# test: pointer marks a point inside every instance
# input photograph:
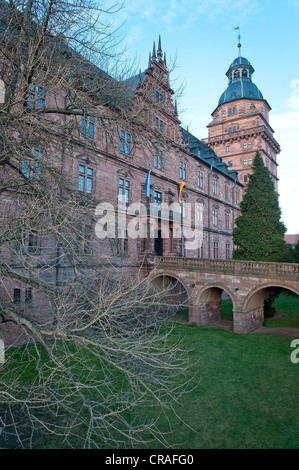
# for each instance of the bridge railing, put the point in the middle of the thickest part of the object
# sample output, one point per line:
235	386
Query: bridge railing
258	268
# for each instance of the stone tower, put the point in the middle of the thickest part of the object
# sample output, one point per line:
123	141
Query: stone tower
240	124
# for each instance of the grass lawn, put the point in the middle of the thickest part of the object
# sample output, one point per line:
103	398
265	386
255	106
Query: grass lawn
286	303
247	395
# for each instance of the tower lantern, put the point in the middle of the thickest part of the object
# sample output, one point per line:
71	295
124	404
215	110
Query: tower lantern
240	124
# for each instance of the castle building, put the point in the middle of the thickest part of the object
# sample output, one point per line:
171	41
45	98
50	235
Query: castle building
107	158
240	124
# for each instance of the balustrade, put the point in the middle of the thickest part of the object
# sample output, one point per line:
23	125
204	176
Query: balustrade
230	266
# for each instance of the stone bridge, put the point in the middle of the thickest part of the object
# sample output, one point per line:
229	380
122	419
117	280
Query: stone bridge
246	282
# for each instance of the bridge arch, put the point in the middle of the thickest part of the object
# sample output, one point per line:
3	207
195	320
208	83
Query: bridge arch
213	292
208	302
164	280
256	296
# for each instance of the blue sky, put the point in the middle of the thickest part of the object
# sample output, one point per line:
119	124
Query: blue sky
199	36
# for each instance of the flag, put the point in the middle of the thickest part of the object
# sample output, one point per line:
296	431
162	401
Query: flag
180	187
148	184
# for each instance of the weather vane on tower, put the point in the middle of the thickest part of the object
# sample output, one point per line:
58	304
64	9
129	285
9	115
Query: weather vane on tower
239	39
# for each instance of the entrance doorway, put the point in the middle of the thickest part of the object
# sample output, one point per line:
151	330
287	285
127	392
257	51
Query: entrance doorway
159	244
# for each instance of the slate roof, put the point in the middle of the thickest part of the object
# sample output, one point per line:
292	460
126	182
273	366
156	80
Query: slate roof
240	88
207	156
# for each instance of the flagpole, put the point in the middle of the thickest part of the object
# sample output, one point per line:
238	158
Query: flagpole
182	241
180	187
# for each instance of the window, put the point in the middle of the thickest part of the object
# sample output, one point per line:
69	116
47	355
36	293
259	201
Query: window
156	122
234	129
122	141
226	193
215	217
41	98
245	178
215	250
87	126
83	126
226	221
228	148
199	213
234	110
230	111
122	244
34	170
230	130
91	127
161	126
230	163
125	142
17	296
215	186
128	144
227	251
249	161
32	242
36	94
245	161
157	198
182	171
159	97
85	179
28	295
123	191
249	145
245	145
158	159
25	169
200	179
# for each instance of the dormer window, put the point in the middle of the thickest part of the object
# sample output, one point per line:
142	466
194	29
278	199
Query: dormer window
159	97
125	142
87	126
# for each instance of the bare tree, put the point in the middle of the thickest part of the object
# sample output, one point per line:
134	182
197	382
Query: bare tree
94	347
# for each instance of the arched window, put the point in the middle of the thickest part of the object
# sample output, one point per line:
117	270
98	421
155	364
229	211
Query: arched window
244	73
236	74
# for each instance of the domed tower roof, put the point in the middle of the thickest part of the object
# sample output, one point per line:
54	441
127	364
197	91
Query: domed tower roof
240	84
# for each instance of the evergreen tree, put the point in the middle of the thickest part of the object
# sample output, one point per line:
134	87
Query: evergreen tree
290	254
259	232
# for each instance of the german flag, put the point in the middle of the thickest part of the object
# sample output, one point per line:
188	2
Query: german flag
180	187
